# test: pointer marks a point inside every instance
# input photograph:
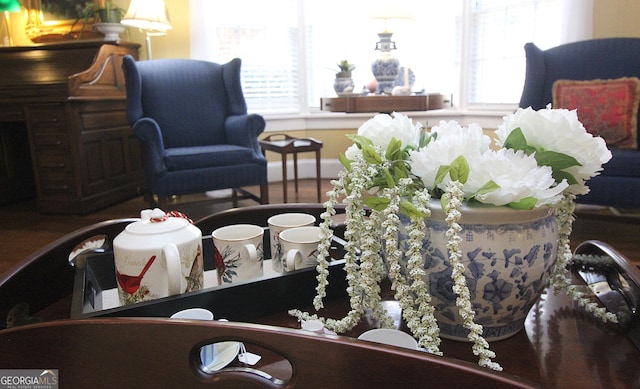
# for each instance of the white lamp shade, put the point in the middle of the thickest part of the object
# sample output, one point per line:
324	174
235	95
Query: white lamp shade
147	15
391	9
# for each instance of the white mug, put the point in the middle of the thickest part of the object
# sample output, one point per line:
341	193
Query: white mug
208	352
238	252
300	247
279	223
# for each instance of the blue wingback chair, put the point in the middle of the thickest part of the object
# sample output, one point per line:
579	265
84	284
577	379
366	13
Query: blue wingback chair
196	136
619	183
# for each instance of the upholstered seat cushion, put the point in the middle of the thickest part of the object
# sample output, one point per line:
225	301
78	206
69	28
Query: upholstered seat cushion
196	157
625	163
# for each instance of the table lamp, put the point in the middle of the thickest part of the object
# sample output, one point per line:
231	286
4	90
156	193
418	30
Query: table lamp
151	16
386	67
7	6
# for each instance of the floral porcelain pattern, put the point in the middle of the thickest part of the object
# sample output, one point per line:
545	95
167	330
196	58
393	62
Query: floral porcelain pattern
507	266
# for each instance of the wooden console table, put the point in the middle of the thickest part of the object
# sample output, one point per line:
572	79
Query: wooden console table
382	103
69	98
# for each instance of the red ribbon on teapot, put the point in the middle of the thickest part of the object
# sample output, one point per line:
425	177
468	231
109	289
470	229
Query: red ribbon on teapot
170	214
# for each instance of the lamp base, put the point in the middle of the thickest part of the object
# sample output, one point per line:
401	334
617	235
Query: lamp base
385	70
386	67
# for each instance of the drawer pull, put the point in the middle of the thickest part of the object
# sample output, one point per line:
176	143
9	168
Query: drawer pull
57	187
53	165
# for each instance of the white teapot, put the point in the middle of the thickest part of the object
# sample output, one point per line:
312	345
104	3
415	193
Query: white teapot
159	255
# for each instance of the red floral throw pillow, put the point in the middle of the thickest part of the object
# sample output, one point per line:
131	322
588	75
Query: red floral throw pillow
607	108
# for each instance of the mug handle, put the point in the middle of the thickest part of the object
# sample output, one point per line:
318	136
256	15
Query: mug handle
293	256
172	259
251	251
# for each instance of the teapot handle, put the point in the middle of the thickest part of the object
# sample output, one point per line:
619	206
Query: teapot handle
172	259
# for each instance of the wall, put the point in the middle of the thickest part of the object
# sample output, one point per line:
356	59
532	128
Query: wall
616	18
173	45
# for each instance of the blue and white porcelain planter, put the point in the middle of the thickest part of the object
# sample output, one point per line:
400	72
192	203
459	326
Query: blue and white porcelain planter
343	85
508	256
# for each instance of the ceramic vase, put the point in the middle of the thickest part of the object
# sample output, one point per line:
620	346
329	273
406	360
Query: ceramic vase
508	256
343	85
386	67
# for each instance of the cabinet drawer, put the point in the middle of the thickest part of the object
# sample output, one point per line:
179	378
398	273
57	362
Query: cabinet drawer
52	185
46	117
50	162
55	140
12	113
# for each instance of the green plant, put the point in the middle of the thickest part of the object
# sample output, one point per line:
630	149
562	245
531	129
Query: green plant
344	69
100	11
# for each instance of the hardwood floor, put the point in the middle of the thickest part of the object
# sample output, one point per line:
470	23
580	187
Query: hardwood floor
23	230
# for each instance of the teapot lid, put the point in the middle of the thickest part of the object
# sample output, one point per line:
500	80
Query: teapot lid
156	221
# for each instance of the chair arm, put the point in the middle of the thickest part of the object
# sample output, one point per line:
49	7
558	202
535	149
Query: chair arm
243	130
148	132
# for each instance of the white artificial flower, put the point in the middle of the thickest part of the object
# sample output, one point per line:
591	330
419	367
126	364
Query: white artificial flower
518	176
452	141
559	130
382	128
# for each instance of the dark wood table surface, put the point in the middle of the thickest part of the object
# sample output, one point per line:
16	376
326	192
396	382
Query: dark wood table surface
560	347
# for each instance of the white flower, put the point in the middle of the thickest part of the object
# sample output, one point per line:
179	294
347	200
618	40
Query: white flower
559	130
518	177
382	128
452	141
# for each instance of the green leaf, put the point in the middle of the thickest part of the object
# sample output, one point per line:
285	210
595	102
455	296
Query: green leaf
557	161
360	141
426	138
345	161
376	203
443	203
441	174
516	140
394	150
410	210
488	187
525	203
390	181
370	155
400	170
459	169
560	175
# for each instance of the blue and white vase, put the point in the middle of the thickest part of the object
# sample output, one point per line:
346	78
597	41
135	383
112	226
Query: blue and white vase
508	256
386	67
343	85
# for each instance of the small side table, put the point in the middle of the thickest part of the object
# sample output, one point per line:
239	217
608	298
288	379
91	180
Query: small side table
285	144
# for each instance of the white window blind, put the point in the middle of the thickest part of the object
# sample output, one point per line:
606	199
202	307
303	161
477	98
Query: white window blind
265	36
498	30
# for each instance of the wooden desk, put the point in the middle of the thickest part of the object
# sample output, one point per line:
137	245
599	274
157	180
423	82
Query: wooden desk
382	103
70	99
561	346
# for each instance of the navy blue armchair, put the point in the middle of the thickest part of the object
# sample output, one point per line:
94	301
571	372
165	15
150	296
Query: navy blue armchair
618	185
196	135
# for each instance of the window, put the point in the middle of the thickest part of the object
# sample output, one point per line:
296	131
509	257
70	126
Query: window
498	30
471	49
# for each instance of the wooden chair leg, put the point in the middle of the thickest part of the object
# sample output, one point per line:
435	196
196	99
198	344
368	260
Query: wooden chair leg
264	194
